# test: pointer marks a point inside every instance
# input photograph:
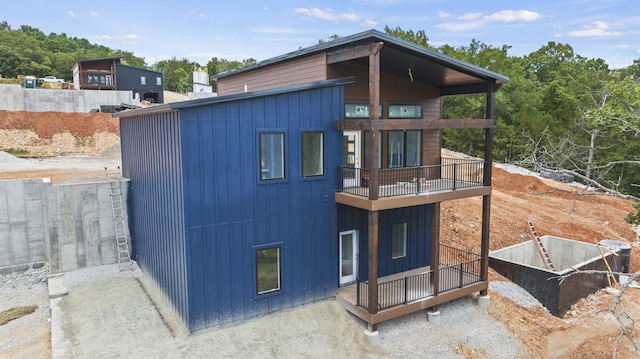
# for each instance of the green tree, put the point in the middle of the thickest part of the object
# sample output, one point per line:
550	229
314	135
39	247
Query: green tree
216	66
418	37
178	74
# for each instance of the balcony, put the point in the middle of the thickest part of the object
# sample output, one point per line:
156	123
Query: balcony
459	274
452	179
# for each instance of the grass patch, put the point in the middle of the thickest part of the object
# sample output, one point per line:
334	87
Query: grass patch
15	313
18	152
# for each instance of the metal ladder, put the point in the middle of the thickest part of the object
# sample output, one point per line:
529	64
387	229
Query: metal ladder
541	249
119	220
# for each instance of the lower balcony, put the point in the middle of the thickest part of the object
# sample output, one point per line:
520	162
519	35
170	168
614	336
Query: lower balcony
458	275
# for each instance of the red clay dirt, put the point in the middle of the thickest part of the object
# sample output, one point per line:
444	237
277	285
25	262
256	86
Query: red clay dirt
555	208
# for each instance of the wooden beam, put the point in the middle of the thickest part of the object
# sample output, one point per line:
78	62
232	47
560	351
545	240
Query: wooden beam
372	305
409	200
486	200
374	113
490	112
426	303
417	124
484	246
353	52
435	247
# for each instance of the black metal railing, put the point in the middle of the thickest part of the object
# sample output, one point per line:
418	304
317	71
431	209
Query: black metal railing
450	175
458	268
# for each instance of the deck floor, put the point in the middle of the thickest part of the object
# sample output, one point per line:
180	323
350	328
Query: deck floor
449	279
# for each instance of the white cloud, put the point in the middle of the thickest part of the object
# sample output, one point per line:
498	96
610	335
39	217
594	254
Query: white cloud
514	15
470	16
443	15
460	25
100	37
595	29
71	13
369	23
475	20
94	13
266	8
327	14
131	39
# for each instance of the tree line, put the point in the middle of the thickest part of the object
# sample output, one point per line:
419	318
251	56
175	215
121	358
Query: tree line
559	112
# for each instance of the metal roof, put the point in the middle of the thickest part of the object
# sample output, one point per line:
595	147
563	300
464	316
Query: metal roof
399	57
233	97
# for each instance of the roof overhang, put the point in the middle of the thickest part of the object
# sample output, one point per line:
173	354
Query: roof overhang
398	57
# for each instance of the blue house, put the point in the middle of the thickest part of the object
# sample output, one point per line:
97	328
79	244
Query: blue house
265	198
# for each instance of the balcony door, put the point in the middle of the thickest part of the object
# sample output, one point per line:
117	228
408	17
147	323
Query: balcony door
348	256
351	160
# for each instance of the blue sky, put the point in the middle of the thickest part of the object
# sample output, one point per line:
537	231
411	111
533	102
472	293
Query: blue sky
199	30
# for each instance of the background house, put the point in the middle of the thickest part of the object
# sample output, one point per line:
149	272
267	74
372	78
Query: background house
111	74
266	197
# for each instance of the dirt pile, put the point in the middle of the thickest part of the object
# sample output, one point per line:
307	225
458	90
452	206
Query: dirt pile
57	133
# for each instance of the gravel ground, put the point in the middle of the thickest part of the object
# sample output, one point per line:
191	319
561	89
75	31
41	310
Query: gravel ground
29	336
115	311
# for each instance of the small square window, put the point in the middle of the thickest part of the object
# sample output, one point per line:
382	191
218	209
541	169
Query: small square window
143	80
158	81
271	156
405	111
399	240
312	154
268	278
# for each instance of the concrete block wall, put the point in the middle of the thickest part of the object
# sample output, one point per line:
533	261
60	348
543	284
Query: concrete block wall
17	98
68	225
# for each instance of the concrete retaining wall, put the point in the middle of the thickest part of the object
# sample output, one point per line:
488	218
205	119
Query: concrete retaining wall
68	225
17	98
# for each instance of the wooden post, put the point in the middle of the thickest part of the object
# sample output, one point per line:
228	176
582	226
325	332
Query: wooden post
374	114
372	306
435	247
486	200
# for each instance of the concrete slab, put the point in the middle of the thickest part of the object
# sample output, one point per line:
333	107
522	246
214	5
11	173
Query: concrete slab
60	345
56	287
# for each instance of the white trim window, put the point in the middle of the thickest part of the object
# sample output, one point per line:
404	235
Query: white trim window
399	240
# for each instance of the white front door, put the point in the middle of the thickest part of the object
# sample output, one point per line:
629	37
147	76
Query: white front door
351	174
348	256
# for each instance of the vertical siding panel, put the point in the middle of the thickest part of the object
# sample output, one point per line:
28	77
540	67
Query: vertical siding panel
236	274
156	222
212	276
225	267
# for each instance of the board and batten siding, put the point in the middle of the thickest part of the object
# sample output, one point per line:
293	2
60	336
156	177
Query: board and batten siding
304	70
418	220
229	212
151	160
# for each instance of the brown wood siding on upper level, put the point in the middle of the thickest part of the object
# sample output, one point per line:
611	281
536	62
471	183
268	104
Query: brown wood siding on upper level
393	89
303	70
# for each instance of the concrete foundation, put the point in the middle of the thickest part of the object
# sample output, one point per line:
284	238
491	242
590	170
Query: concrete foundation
17	98
483	302
69	226
522	264
433	317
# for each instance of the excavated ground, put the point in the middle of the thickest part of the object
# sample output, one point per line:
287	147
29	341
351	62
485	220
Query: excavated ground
90	142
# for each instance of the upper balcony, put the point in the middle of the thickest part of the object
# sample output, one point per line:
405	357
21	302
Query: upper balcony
386	188
408	186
